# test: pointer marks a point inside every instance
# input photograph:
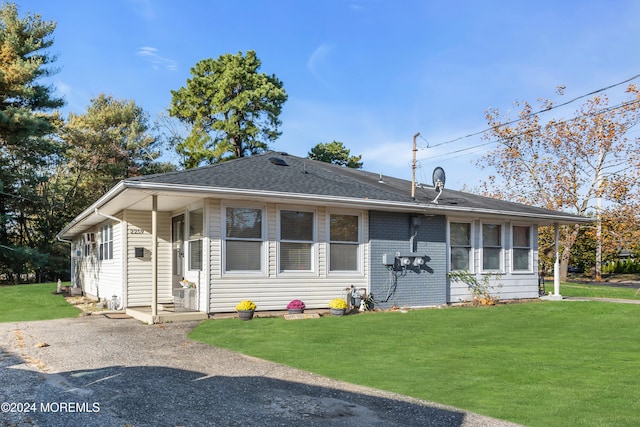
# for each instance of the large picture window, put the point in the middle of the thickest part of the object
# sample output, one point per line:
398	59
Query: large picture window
196	233
343	242
243	239
491	246
106	242
296	240
521	248
460	242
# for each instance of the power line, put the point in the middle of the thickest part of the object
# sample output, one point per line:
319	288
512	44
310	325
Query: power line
604	110
534	113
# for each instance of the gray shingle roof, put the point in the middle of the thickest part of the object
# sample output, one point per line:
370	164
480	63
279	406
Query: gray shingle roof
267	173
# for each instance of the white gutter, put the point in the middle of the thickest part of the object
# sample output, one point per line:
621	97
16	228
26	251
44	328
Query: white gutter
442	209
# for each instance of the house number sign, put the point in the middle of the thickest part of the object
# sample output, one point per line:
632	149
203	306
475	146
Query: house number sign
136	231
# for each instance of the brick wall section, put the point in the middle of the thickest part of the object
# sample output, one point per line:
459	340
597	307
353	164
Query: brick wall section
390	232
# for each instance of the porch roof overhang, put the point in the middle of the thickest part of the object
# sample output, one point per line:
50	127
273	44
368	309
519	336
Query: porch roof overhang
137	195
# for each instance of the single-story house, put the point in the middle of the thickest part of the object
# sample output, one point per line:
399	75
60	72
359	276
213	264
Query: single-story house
275	227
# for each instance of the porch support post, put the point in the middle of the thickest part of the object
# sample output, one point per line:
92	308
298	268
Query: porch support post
556	265
556	268
154	256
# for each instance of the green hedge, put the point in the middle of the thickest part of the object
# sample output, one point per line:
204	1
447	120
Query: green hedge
628	266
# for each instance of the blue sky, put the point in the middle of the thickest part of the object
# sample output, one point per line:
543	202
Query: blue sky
369	73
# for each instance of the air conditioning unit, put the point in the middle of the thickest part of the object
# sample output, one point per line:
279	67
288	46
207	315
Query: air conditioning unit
89	237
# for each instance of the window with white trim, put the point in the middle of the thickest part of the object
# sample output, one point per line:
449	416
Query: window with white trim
521	248
491	247
343	242
243	239
105	249
460	245
296	240
196	233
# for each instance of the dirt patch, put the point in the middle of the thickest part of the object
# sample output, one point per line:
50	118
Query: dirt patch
86	304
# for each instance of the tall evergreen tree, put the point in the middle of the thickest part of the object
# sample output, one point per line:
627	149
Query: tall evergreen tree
27	123
232	109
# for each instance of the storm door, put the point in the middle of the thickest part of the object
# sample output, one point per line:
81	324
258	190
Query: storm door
177	249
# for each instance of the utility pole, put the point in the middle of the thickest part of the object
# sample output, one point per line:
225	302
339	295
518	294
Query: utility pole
598	272
413	166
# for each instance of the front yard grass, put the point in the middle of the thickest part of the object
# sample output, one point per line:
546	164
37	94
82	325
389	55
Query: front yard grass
537	364
595	291
19	303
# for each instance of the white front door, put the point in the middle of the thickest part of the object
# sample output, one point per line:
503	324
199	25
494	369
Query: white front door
177	249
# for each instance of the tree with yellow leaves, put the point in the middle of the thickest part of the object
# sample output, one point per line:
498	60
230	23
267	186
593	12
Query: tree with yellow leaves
568	165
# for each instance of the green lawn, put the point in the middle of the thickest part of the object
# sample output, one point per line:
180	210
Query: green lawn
580	290
538	364
20	303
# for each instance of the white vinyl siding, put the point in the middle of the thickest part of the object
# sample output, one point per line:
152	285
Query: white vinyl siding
139	269
101	278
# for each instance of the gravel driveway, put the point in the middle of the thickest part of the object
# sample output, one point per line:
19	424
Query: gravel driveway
96	371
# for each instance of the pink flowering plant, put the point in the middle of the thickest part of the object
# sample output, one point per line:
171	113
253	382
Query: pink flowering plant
296	304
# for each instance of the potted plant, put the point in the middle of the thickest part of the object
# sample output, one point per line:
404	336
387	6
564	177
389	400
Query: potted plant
338	306
245	309
295	306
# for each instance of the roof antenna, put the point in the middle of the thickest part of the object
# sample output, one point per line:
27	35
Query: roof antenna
439	179
413	167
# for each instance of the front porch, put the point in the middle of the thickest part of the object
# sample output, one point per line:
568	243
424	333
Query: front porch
166	313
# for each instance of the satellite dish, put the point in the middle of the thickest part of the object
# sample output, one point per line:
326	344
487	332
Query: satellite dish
439	179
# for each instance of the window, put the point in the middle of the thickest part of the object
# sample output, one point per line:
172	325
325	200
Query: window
106	242
243	239
343	242
87	247
491	246
177	245
296	240
196	233
521	248
460	242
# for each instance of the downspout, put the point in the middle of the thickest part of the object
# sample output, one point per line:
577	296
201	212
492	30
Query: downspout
124	284
107	216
